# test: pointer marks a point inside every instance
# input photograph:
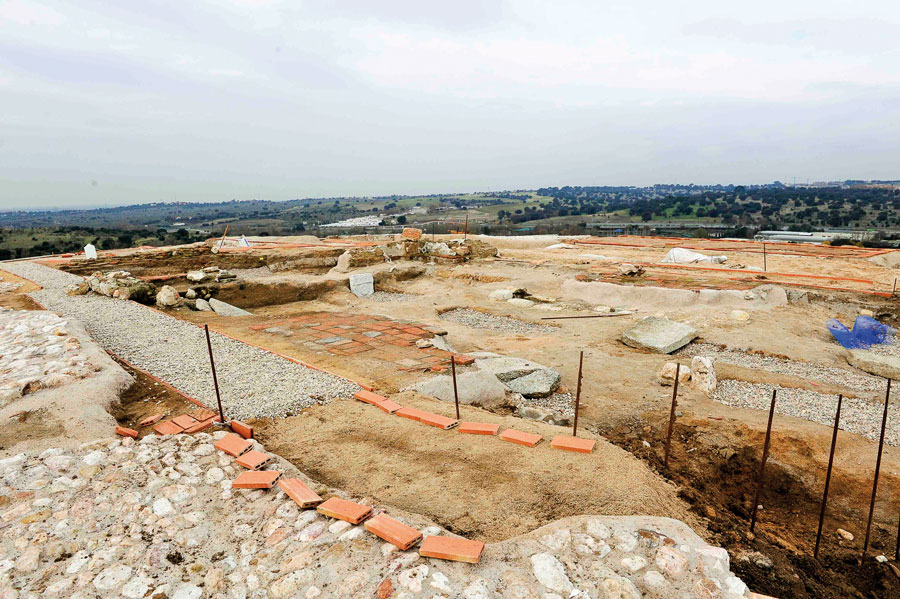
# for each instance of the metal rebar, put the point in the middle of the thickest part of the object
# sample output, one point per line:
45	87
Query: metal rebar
765	265
837	419
887	396
762	465
672	414
894	290
897	550
607	315
578	395
212	365
455	392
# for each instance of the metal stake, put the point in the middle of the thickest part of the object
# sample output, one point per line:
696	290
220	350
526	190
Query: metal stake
765	266
455	393
887	396
894	290
837	419
212	364
466	229
578	395
762	465
672	413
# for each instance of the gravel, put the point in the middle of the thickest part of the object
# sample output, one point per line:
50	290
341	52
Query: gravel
558	403
853	379
857	415
481	320
390	296
254	383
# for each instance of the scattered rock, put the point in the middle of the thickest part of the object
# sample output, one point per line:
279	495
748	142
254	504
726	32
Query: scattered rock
501	295
846	535
703	374
202	305
630	270
520	302
411	233
167	297
659	335
740	315
666	375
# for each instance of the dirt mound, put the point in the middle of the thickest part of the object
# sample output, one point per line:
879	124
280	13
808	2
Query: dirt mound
889	260
662	298
476	486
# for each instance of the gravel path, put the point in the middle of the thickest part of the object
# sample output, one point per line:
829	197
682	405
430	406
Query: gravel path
807	370
857	415
253	382
481	320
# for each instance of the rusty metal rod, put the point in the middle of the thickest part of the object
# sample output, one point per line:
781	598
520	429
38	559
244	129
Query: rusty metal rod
672	414
762	465
455	392
578	395
887	396
894	290
212	365
765	264
897	550
837	419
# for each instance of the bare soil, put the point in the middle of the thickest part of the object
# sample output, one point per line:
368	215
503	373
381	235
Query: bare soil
145	398
17	299
477	486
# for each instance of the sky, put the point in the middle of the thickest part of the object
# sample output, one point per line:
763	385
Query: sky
128	102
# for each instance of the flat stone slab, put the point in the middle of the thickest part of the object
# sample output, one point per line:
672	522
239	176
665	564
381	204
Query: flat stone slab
223	309
362	284
874	363
659	335
506	368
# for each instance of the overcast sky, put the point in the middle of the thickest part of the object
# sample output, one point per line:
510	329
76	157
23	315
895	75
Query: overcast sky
121	102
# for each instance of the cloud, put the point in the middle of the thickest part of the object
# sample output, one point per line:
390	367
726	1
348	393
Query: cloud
456	15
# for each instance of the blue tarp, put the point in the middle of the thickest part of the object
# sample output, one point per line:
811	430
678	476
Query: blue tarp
866	332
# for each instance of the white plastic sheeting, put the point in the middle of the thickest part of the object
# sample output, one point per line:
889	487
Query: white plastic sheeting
684	256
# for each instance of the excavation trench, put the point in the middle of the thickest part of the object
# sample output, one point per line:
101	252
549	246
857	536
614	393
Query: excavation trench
718	481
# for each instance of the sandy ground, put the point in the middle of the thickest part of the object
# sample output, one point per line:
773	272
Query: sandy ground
477	486
18	299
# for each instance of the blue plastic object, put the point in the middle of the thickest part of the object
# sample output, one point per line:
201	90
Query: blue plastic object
866	332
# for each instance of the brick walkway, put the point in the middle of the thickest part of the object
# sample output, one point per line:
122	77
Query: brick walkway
349	334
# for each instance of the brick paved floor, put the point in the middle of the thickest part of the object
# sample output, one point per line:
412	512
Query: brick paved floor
349	334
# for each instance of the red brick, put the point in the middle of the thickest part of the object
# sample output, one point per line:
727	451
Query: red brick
244	430
354	513
411	413
437	420
126	432
202	425
202	414
256	479
452	548
233	445
514	436
299	492
478	428
184	421
167	427
573	444
385	589
393	531
151	420
389	406
369	397
253	460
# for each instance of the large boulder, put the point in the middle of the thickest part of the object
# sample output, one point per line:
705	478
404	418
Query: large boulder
540	383
875	363
223	309
196	276
477	388
659	335
167	297
202	305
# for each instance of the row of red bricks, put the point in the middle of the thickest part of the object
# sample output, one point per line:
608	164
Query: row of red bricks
383	526
563	442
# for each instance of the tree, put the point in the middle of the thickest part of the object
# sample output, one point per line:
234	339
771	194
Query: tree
401	220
